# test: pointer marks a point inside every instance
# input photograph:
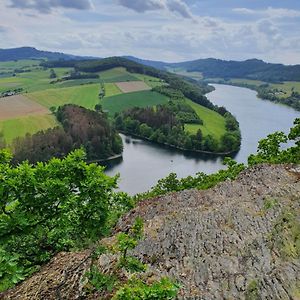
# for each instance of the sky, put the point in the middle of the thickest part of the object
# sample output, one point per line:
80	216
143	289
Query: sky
166	30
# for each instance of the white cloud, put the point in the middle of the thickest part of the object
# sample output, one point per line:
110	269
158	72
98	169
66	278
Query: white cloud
269	12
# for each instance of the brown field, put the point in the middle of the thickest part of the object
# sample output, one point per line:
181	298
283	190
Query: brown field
132	86
19	106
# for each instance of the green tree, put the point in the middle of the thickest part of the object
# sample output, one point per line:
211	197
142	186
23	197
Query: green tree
54	206
52	74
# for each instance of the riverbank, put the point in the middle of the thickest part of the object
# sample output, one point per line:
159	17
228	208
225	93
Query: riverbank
180	148
144	162
265	94
113	157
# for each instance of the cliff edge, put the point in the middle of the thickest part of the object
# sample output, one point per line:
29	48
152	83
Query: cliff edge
239	240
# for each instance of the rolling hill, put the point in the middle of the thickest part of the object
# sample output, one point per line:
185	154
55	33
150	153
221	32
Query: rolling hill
33	53
217	68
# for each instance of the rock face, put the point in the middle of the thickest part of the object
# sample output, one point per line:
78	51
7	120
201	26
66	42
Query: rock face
239	240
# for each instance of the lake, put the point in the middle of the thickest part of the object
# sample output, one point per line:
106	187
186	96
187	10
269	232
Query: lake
144	163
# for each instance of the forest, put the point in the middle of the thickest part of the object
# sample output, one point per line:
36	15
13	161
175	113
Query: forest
165	125
80	128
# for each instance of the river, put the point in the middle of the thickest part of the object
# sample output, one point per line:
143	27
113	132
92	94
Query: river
144	163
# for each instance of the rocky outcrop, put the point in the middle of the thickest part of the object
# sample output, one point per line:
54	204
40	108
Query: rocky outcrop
239	240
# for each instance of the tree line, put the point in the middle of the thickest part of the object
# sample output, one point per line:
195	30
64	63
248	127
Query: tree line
166	126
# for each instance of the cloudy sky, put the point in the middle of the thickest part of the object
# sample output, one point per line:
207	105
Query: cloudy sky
169	30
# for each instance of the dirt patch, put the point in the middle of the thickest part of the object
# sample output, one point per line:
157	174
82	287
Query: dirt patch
19	106
132	86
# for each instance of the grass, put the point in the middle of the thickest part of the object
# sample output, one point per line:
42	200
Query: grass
150	80
12	65
116	75
121	102
214	123
285	88
36	80
75	82
31	124
111	90
83	95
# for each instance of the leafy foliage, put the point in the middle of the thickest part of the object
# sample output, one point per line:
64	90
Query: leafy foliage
54	206
99	281
138	289
201	181
270	149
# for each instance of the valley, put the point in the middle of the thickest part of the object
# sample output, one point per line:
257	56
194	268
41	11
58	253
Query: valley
115	85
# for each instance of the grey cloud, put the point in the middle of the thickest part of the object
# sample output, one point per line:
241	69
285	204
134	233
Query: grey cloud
141	5
179	7
45	6
175	6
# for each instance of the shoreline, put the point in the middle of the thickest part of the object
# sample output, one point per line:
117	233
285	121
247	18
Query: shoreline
179	148
255	89
106	159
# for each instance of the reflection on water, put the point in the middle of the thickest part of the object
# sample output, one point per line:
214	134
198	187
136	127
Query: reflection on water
144	163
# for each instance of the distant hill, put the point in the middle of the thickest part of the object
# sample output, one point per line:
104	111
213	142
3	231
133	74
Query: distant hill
209	67
248	69
151	63
33	53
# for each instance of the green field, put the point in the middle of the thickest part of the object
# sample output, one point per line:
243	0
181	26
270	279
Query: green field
124	101
116	75
19	127
284	89
84	95
111	90
36	80
214	123
12	65
149	80
75	82
287	87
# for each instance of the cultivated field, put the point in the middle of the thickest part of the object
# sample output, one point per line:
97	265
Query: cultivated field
111	90
150	80
116	75
18	106
83	95
132	86
214	123
124	101
13	128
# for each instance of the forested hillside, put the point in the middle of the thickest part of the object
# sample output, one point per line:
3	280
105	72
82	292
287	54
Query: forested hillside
217	68
33	53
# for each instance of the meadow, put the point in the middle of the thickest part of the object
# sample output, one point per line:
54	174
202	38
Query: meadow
13	128
213	123
118	103
83	95
149	80
116	75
